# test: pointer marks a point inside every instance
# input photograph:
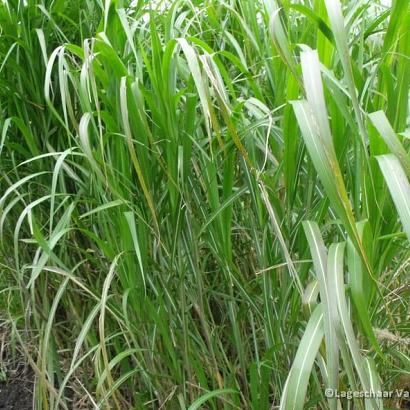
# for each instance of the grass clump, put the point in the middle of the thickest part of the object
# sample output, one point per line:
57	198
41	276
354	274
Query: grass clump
205	204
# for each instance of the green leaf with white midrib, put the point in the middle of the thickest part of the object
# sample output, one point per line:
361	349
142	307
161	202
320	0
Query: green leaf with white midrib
315	96
357	282
344	325
319	256
294	393
313	122
280	40
399	187
334	10
315	147
385	129
129	216
375	384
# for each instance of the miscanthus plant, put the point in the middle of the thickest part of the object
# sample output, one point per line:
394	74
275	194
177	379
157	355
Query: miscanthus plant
206	204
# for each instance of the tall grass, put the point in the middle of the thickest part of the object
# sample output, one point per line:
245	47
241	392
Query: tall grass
205	204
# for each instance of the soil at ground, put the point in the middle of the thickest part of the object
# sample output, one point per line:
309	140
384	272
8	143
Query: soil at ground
16	394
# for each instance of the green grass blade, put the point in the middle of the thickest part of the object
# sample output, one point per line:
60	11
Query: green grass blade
385	129
319	255
210	395
399	187
293	396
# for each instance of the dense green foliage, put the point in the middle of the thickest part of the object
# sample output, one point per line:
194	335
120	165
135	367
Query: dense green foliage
193	200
